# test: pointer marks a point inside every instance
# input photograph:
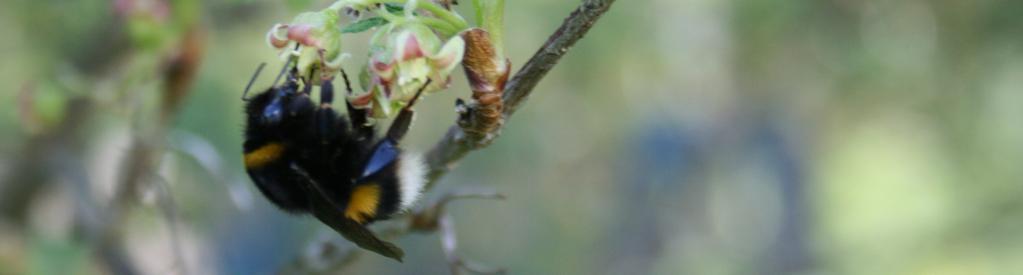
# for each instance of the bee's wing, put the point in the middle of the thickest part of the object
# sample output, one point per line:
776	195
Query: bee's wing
353	231
385	153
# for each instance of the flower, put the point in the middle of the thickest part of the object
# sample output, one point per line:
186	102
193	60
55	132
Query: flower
402	59
315	38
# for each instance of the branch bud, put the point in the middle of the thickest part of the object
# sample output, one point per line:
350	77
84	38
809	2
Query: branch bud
487	73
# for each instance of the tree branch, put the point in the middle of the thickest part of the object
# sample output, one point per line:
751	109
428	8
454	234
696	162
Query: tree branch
456	144
573	29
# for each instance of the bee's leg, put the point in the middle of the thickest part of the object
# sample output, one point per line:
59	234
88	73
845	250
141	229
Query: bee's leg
404	120
307	89
363	129
283	70
326	93
326	119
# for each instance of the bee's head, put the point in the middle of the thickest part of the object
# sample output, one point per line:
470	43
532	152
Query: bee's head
279	106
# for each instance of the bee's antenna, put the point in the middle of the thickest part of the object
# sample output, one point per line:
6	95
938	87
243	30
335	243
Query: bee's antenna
308	87
359	119
252	80
284	69
418	93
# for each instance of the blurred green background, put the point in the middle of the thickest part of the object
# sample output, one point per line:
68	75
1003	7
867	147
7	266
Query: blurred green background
678	137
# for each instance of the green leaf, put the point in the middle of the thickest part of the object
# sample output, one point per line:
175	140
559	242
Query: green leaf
364	24
56	256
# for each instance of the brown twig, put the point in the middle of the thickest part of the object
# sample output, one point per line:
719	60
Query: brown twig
457	143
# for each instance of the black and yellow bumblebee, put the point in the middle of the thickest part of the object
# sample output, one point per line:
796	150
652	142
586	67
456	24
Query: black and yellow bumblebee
295	149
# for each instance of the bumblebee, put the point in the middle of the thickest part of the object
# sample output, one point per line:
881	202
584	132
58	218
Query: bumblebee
295	149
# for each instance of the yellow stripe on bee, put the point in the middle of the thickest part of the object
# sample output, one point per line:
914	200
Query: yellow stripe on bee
263	155
363	204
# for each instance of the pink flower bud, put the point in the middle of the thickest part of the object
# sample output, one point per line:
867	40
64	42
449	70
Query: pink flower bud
361	101
303	34
449	56
408	47
276	37
382	69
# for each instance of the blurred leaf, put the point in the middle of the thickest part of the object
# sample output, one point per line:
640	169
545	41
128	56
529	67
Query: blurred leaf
52	256
147	33
299	5
49	103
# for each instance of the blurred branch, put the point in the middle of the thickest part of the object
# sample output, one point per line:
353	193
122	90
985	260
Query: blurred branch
436	219
147	147
328	257
180	71
427	219
457	143
29	174
58	152
169	209
449	242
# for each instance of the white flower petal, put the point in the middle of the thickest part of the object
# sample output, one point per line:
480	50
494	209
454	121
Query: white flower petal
449	56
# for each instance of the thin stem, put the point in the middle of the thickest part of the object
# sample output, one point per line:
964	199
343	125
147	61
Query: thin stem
444	14
444	27
490	16
390	17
